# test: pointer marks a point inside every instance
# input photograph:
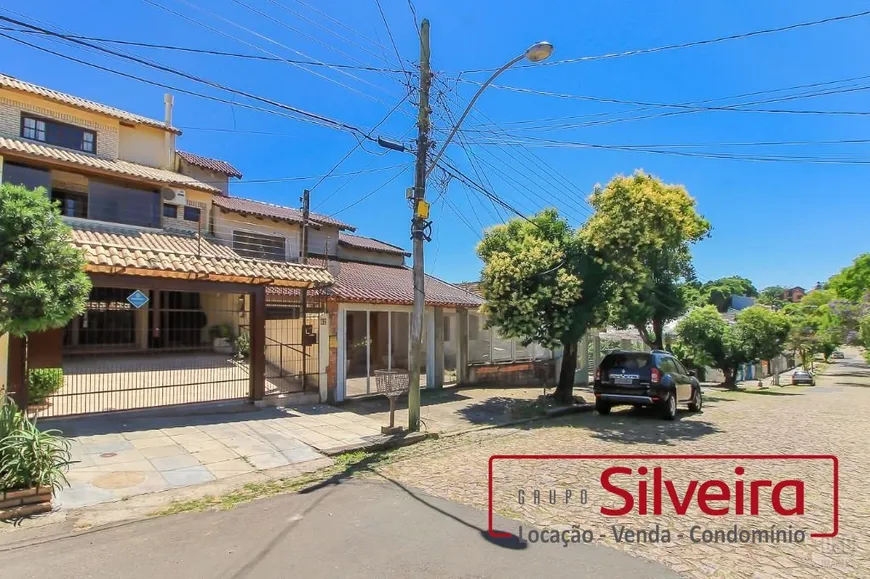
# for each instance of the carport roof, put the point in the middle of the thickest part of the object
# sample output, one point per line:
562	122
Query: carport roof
119	249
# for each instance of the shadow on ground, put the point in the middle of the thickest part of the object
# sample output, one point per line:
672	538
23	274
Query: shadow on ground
377	404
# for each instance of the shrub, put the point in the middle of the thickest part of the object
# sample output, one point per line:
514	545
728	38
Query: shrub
220	331
43	382
243	346
30	457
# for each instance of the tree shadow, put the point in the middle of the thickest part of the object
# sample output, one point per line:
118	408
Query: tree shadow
500	409
377	404
638	426
771	393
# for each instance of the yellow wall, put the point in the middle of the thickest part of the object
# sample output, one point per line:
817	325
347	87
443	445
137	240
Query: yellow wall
143	145
220	308
223	225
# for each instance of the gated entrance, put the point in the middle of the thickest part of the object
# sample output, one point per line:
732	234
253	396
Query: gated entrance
146	343
293	341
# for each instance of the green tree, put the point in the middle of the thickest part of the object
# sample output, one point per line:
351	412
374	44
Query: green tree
644	229
762	333
853	282
705	336
42	280
718	292
772	296
543	283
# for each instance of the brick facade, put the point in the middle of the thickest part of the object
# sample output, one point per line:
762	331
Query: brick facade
10	124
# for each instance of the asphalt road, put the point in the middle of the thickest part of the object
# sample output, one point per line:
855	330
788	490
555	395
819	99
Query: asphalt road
353	529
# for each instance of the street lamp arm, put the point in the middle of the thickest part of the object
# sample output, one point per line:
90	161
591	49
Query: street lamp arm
468	110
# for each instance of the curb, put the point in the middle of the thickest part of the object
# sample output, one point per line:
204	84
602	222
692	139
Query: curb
396	441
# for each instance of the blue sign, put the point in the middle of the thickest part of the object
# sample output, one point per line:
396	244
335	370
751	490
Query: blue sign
137	299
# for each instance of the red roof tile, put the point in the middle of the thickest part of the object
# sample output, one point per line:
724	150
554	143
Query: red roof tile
251	207
370	243
383	284
211	164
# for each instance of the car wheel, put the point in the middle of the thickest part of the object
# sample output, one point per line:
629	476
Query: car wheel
602	407
697	402
669	407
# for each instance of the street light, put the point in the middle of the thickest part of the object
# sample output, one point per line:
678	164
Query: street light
535	53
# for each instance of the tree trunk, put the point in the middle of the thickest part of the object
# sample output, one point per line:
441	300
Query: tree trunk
730	375
565	388
658	330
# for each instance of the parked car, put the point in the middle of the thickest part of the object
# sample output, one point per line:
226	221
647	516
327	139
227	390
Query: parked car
802	377
636	378
838	355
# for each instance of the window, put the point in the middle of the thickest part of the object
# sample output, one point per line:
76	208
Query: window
71	204
667	365
27	176
258	246
120	204
170	211
57	133
192	214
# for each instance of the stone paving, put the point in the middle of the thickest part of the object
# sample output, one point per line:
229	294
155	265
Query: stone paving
831	418
119	456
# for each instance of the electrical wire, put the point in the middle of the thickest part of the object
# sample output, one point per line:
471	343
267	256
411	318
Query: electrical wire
390	35
210	52
683	45
326	121
370	193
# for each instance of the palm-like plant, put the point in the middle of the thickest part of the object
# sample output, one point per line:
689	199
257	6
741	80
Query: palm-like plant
30	457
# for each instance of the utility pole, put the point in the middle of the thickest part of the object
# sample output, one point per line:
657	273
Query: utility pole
418	224
306	206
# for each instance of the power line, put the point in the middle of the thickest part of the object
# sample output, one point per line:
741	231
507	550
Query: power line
205	51
390	35
686	44
370	193
309	115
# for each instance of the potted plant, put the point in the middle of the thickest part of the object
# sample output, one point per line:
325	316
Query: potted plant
222	338
243	346
32	464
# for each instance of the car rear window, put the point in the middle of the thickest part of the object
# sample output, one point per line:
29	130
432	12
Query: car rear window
628	361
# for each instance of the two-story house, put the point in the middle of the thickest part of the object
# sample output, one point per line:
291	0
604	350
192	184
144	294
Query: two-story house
201	296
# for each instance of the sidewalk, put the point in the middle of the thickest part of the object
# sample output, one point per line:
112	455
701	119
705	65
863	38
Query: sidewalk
122	455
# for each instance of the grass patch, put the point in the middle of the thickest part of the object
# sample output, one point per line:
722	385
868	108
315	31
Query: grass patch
347	465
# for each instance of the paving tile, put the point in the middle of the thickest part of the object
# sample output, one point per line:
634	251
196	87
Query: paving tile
267	460
188	476
193	438
202	446
207	457
301	454
284	442
179	430
100	438
167	463
143	443
229	468
161	451
104	447
111	458
81	495
140	434
133	466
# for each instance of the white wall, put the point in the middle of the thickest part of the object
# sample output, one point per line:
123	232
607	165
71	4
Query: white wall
143	145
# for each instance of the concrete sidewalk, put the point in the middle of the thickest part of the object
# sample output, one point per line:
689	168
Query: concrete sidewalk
121	455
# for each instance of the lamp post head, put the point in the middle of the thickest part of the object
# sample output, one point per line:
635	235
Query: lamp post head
539	51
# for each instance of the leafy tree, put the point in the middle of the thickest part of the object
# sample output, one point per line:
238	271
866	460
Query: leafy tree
772	296
543	283
853	281
718	292
643	229
763	333
706	336
42	280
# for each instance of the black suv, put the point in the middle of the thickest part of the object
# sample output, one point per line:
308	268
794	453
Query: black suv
645	379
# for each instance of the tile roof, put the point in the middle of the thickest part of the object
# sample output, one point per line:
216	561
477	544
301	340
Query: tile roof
111	248
370	243
13	83
208	163
251	207
383	284
125	168
471	286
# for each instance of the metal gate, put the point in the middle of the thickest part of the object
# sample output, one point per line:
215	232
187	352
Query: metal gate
136	349
293	341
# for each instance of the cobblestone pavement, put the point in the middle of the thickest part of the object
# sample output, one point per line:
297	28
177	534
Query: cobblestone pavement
831	418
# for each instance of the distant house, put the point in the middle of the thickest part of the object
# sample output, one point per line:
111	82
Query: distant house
794	294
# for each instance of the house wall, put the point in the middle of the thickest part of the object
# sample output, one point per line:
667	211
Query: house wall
194	199
13	103
224	223
143	145
214	179
356	254
4	365
221	308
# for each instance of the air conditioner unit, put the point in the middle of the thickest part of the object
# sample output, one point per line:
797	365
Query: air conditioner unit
174	196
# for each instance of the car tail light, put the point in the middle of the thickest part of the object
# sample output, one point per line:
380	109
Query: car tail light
655	376
597	373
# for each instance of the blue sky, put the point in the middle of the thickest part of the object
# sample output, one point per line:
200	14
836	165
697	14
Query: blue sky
790	223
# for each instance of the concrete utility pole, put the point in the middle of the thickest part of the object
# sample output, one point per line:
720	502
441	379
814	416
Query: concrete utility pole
303	254
418	224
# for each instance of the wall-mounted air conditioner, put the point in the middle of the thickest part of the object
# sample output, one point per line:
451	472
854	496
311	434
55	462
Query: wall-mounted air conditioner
174	196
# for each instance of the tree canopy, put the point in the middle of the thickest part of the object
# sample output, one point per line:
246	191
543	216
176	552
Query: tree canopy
853	282
706	337
543	283
643	229
42	280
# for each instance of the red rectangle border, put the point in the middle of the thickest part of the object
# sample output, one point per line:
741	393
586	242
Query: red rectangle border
836	464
